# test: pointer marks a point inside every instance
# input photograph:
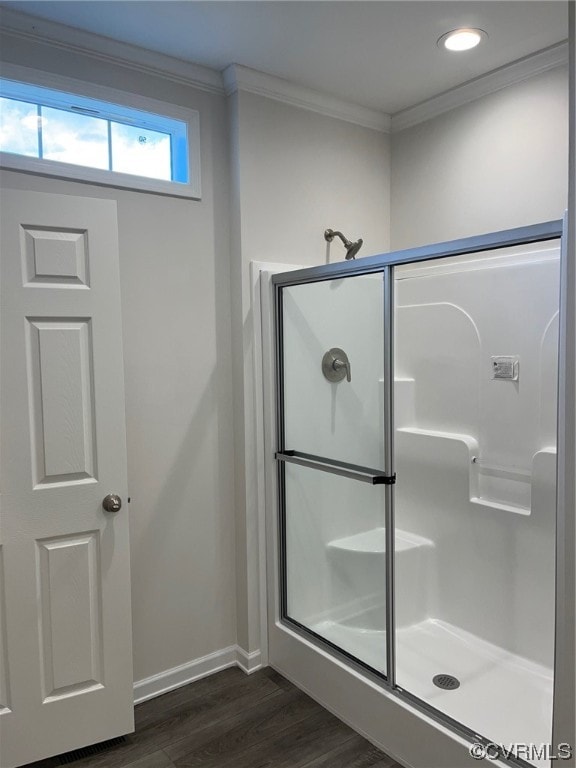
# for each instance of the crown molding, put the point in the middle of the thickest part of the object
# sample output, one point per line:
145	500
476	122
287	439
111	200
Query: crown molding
239	78
24	27
510	74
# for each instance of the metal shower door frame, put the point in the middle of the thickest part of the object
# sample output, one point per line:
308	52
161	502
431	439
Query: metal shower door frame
384	264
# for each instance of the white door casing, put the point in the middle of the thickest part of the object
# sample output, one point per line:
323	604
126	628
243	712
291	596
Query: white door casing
65	621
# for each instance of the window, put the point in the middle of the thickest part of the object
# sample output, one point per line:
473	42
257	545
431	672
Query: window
65	134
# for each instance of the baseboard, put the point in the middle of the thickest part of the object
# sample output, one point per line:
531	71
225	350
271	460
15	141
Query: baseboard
248	662
233	656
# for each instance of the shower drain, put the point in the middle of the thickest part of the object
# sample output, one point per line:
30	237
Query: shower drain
447	682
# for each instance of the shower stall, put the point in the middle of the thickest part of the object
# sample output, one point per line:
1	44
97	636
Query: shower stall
416	533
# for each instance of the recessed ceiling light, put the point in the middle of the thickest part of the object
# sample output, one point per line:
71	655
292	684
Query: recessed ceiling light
462	39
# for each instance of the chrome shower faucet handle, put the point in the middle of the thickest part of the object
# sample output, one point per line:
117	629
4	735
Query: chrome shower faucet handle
336	365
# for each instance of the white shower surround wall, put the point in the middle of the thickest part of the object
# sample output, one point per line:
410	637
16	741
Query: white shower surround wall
478	455
476	514
450	321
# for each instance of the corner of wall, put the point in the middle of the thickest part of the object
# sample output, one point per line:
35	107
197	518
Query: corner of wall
456	174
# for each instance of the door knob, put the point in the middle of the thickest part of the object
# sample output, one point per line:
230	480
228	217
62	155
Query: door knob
112	503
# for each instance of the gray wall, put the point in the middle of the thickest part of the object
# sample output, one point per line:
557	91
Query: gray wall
193	545
295	173
174	266
496	163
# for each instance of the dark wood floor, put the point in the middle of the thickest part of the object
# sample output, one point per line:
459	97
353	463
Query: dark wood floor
231	720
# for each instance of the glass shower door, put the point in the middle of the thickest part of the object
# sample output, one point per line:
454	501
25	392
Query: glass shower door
476	362
441	581
333	476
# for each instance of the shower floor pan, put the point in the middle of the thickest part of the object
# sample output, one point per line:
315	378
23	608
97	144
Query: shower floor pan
504	697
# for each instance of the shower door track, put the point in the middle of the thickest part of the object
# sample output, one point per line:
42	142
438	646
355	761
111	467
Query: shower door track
383	264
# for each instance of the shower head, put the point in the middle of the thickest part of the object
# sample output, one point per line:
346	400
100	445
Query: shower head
351	248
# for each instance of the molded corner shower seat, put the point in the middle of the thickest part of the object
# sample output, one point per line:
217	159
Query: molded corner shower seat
361	560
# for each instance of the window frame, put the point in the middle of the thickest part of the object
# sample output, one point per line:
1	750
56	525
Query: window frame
117	101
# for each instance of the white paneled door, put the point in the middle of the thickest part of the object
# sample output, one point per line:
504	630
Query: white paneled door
65	625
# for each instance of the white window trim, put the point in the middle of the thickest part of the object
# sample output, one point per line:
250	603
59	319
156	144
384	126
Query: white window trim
82	173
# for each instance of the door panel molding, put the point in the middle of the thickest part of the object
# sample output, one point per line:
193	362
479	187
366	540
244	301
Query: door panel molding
62	409
55	258
69	593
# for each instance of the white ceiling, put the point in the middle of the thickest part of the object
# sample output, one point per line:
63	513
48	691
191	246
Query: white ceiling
376	53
